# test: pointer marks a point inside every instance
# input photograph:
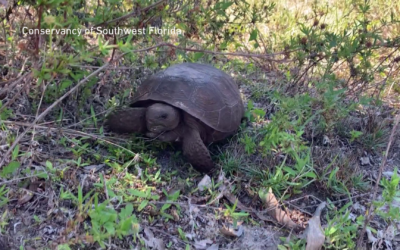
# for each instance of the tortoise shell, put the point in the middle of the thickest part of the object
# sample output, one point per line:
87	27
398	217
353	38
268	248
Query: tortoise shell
202	91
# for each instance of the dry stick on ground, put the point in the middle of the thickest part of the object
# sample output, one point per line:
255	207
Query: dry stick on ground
369	212
69	131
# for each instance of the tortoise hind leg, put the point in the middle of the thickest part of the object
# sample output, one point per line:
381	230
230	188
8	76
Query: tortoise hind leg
127	120
196	152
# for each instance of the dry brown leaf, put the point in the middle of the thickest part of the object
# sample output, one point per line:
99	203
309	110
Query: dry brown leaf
37	186
50	202
273	210
314	233
232	199
175	214
198	200
25	198
232	232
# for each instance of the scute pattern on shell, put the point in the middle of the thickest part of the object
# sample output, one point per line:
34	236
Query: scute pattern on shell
202	91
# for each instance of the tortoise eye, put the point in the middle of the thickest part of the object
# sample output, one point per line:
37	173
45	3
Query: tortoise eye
163	116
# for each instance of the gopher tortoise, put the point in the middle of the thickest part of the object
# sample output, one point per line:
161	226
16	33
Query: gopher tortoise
194	104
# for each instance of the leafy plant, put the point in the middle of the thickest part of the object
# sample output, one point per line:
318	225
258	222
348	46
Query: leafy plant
341	231
106	222
145	196
3	195
355	135
236	216
390	194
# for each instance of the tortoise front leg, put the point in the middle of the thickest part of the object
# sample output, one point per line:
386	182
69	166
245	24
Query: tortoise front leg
196	152
127	120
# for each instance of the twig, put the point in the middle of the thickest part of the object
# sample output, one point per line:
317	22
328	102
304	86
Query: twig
18	179
83	120
131	14
96	67
23	67
11	86
265	56
34	128
105	188
371	206
68	131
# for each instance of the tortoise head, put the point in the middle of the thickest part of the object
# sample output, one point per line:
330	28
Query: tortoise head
162	117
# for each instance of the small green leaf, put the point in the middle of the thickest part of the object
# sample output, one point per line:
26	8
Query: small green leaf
65	84
10	168
47	76
109	226
157	174
226	5
250	105
253	35
197	56
168	216
43	175
126	226
15	152
128	209
290	171
63	247
88	59
137	193
165	207
143	205
310	174
49	165
174	196
259	112
155	197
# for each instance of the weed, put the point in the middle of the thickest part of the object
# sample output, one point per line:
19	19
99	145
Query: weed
3	221
236	216
3	195
390	194
106	222
341	230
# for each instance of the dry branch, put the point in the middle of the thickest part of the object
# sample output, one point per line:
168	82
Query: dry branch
132	13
